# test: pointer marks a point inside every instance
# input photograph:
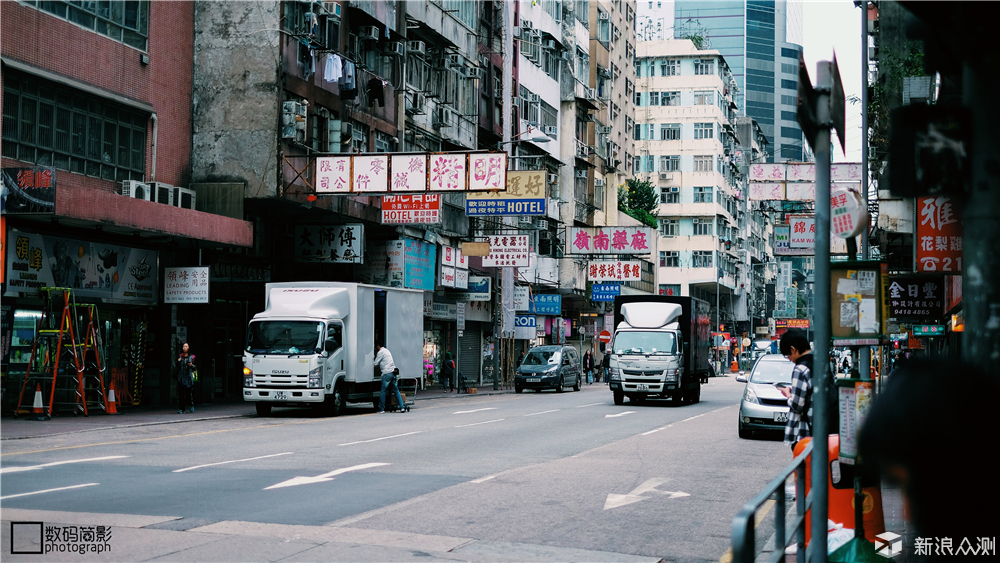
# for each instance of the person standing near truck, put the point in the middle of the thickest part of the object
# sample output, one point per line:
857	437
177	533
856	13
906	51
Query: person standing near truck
383	360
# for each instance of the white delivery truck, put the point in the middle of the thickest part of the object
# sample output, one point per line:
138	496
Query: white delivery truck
314	344
660	348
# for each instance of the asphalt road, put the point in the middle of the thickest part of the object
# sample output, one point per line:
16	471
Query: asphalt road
534	472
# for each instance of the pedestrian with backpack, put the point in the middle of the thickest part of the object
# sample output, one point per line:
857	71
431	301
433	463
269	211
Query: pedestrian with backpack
795	346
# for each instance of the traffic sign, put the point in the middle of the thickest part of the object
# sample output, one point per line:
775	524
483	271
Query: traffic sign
604	337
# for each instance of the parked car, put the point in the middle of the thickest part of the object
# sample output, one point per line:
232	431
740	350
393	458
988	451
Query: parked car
549	367
763	406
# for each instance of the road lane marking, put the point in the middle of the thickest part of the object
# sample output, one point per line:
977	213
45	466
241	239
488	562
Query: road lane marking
33	467
656	430
590	405
324	477
727	557
476	410
383	438
478	423
543	412
635	495
225	462
49	491
685	420
619	414
483	479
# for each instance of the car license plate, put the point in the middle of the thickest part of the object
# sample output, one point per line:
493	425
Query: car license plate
781	417
642	387
533	380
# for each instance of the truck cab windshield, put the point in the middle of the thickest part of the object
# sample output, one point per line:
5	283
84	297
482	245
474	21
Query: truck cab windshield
284	337
651	343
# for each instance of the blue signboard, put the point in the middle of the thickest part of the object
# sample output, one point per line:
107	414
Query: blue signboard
479	207
548	304
605	291
419	260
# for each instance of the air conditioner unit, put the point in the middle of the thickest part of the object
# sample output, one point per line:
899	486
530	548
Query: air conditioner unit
664	175
162	193
525	24
598	183
533	98
442	117
604	129
472	73
332	8
454	60
550	130
184	198
591	94
397	48
418	48
552	178
550	44
604	15
516	102
695	221
525	219
369	32
581	174
137	190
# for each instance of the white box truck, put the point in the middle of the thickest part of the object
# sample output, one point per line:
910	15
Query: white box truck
314	344
660	348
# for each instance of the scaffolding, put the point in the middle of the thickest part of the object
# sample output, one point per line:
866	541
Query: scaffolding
65	373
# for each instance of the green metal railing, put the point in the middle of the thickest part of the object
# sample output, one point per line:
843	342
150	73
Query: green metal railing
745	523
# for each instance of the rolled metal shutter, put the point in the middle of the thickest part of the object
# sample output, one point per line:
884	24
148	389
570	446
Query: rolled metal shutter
470	352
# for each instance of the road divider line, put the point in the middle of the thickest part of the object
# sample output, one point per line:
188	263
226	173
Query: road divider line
478	423
543	412
475	410
483	479
225	462
590	405
49	491
54	463
656	430
383	438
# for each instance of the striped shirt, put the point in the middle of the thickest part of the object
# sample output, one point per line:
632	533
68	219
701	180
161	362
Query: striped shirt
799	405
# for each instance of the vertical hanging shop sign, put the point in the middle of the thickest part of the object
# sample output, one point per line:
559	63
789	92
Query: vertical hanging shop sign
939	235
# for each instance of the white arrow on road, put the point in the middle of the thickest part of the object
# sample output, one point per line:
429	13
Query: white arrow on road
324	477
616	500
619	414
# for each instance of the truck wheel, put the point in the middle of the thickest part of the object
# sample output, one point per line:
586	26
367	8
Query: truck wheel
263	409
696	395
619	398
333	404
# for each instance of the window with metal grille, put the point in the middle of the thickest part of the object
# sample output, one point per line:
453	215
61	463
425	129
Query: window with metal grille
668	68
705	98
48	124
124	21
670	131
670	99
703	130
668	227
702	259
704	66
669	259
703	194
669	163
703	227
703	163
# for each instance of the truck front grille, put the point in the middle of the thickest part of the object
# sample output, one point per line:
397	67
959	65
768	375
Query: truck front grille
282	381
648	373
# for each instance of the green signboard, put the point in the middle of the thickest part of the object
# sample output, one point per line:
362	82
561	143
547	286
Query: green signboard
928	330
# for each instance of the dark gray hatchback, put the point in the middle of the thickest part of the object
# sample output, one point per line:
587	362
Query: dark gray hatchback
549	367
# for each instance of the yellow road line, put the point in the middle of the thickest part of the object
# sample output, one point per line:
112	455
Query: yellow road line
727	557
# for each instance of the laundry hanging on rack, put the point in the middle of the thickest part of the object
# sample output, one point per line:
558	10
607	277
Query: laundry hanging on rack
376	92
334	67
346	84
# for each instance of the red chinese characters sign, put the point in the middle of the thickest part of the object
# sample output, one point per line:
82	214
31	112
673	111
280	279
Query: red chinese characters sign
411	209
614	271
939	235
609	240
29	190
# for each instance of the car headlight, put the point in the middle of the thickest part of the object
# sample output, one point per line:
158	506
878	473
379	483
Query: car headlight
750	397
616	374
551	369
248	377
315	378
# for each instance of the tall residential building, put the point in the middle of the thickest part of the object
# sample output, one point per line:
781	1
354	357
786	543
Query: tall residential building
689	145
757	38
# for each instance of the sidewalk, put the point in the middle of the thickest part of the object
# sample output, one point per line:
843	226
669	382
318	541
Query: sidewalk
26	427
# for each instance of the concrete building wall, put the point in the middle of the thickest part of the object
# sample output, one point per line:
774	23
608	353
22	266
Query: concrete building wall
236	95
